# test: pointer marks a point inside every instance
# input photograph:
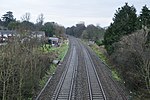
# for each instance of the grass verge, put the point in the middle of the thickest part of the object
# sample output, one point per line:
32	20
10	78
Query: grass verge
47	75
103	57
60	52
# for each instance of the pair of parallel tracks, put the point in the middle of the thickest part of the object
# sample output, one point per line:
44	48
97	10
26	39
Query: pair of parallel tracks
66	87
96	91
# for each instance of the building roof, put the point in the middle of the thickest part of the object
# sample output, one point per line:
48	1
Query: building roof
53	38
6	32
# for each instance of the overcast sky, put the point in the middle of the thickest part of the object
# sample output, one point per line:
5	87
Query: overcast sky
69	12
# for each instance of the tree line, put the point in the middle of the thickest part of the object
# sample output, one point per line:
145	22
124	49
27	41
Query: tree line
91	32
127	43
125	22
8	21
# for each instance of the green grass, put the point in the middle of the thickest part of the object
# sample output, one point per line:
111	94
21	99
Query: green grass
60	52
47	48
96	49
47	75
115	75
99	53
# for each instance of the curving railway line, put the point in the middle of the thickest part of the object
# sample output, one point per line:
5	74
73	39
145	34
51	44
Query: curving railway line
66	87
81	78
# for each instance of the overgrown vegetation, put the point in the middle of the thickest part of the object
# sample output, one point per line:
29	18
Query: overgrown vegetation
25	64
127	43
133	62
47	75
23	67
60	54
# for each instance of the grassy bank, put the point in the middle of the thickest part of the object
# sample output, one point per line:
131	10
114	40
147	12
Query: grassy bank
100	51
59	53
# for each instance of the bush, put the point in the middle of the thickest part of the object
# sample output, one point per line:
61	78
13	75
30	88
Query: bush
131	55
99	42
21	66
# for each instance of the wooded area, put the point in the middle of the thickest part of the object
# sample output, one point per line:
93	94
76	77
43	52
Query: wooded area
23	60
127	43
91	32
22	67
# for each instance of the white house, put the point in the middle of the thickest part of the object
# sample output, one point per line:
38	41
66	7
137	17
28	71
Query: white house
38	34
54	41
6	35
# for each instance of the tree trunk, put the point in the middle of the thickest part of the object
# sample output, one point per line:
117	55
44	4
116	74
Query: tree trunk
4	90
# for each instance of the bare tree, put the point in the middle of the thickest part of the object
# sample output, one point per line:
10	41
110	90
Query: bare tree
21	69
26	17
40	19
132	52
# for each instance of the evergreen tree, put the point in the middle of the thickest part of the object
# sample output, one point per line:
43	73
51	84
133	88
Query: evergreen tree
7	18
124	23
145	17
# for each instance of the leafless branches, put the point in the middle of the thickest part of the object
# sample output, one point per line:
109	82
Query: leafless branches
132	53
26	17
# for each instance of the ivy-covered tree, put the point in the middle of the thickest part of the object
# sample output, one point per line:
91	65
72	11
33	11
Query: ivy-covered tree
52	28
124	22
145	17
48	28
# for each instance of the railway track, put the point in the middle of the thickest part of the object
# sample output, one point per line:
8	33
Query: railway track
80	78
66	87
121	95
95	88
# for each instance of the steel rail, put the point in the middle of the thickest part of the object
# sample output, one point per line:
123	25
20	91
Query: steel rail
62	77
91	90
66	76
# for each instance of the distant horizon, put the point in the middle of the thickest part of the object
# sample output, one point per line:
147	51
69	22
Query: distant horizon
69	12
